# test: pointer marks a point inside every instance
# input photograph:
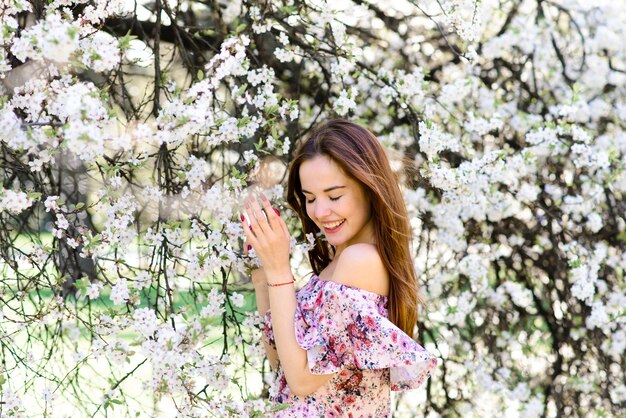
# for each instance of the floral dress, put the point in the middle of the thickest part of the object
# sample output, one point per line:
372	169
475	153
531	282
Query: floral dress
345	330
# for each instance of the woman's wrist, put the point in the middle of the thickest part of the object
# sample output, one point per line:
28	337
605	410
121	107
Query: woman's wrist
278	278
282	282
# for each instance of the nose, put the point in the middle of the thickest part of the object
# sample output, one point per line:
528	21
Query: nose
320	210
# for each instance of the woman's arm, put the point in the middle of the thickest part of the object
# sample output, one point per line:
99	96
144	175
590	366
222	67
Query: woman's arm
263	304
360	266
293	358
271	241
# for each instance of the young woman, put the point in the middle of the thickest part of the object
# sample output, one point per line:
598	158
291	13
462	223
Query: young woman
344	340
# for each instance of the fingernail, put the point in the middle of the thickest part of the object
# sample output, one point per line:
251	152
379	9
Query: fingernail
241	217
249	247
277	212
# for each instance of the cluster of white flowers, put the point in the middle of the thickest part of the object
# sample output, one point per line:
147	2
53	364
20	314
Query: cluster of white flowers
154	238
231	61
93	290
345	102
145	321
119	216
215	304
433	140
12	404
14	202
10	10
100	52
587	157
54	39
521	34
341	69
482	126
237	299
259	25
520	295
11	132
584	277
456	313
76	105
120	293
289	110
598	318
97	12
476	268
465	17
454	92
411	87
142	280
284	54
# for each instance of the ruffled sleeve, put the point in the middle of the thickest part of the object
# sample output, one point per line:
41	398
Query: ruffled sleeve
345	327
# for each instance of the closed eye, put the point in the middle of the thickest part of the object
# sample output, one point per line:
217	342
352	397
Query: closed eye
334	199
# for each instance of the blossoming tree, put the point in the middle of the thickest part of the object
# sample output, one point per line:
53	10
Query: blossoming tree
129	131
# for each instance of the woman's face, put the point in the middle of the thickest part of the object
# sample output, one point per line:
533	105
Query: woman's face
336	203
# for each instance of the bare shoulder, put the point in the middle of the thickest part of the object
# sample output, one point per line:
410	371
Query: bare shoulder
360	265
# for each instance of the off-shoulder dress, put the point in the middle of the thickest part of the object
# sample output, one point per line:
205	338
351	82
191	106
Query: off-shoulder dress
346	330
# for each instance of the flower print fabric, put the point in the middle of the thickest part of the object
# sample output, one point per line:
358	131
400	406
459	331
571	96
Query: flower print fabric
346	331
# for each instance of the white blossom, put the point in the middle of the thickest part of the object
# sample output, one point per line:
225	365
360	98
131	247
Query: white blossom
345	103
119	292
93	290
215	304
145	321
14	202
237	299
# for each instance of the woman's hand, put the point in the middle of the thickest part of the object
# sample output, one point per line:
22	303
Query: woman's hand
268	235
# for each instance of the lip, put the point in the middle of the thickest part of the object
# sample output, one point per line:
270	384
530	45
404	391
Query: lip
332	231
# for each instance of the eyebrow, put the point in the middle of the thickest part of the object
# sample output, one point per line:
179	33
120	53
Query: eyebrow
325	190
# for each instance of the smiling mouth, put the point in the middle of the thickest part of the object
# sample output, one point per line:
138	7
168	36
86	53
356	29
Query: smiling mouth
334	226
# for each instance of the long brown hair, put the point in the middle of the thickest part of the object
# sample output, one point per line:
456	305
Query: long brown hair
361	156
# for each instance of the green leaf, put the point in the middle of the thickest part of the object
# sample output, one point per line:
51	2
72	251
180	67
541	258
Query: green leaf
72	32
182	120
241	90
243	121
271	109
34	195
82	283
575	263
124	41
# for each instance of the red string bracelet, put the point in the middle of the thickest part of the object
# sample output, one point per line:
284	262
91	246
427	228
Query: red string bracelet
282	284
